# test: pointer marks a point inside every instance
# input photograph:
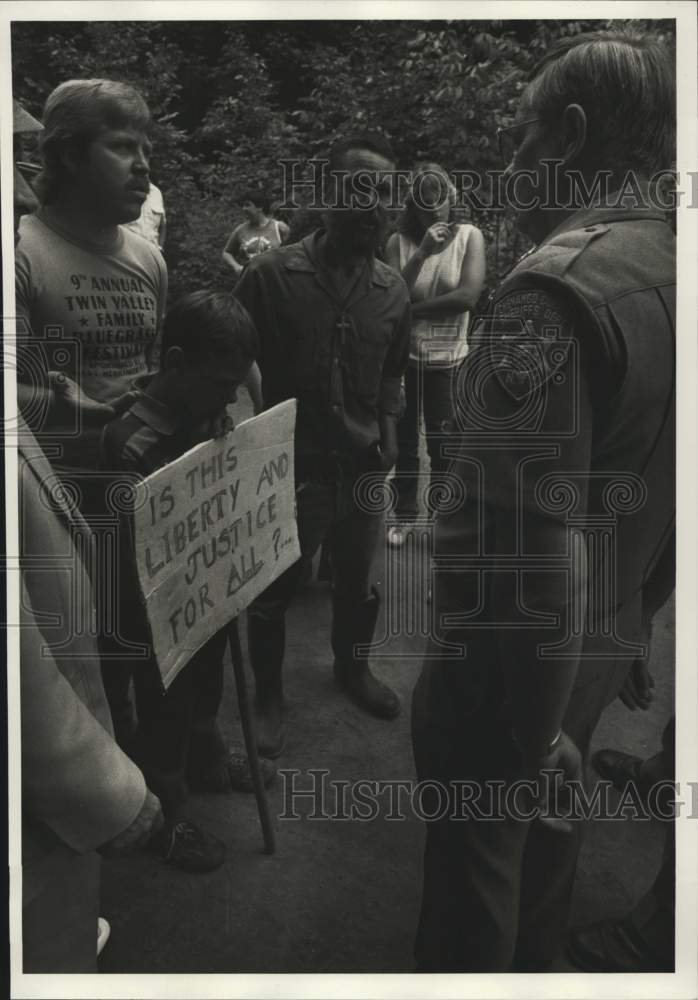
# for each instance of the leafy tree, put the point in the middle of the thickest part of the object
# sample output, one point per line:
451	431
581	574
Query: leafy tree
231	98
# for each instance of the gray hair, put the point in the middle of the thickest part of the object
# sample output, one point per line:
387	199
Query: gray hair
624	81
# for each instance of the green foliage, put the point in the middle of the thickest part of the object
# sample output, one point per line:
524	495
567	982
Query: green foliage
230	99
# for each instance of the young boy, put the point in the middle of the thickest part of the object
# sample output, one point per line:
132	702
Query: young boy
208	348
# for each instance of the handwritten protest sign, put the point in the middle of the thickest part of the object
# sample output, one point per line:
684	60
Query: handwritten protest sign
212	530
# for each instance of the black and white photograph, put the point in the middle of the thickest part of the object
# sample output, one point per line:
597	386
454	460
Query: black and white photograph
350	397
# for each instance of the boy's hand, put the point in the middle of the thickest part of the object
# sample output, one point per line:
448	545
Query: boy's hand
122	403
221	424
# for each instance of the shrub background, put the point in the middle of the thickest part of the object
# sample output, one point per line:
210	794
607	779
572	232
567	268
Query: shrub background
231	98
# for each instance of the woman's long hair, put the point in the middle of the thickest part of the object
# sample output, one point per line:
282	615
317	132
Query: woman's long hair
431	186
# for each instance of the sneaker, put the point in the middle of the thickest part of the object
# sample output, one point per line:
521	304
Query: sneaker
397	535
183	845
103	932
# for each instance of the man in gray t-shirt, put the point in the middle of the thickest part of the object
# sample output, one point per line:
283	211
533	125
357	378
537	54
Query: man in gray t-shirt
90	293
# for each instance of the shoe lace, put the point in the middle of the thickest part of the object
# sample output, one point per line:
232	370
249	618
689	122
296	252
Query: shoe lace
186	832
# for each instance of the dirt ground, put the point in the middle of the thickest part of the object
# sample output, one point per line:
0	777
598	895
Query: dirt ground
338	895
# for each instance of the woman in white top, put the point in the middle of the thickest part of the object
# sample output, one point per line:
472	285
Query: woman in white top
443	264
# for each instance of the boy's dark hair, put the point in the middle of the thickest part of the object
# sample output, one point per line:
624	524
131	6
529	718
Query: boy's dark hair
211	325
258	198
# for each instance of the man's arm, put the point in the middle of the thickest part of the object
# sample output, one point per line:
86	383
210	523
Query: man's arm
539	688
539	420
74	776
59	397
162	231
638	687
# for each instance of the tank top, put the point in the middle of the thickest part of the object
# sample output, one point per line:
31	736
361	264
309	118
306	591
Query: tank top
268	239
440	274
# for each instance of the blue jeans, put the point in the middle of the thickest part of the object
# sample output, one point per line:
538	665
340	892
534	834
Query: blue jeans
428	391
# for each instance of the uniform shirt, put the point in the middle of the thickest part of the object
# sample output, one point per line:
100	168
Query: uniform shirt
566	408
93	313
342	360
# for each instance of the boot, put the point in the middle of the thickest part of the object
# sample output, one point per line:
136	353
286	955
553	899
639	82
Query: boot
266	640
354	625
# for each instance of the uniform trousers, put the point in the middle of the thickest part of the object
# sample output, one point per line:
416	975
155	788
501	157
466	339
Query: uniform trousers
496	892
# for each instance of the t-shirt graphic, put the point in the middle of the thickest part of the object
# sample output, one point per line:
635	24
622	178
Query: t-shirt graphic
254	246
104	305
90	312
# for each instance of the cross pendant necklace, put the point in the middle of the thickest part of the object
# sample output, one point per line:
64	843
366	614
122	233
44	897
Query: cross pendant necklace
342	325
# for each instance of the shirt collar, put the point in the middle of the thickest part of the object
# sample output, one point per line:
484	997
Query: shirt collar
151	411
598	215
303	256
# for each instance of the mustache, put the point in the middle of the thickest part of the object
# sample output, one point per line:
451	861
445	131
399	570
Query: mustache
138	186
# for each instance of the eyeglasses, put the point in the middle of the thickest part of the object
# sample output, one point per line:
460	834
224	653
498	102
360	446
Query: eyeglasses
508	139
29	171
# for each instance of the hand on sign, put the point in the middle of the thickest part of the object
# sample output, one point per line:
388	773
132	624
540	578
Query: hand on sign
221	424
147	823
435	238
68	395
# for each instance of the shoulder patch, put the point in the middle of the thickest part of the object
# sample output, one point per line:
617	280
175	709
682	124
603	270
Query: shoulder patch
530	333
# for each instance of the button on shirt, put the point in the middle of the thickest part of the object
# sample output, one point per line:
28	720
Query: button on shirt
342	359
